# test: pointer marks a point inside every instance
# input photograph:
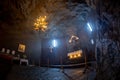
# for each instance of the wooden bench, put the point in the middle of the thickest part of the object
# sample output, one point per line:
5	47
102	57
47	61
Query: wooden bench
24	61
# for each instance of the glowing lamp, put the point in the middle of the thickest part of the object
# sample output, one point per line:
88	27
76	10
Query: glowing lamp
89	26
54	43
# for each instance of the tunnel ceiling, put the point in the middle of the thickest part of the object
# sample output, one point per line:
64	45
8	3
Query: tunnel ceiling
64	17
17	17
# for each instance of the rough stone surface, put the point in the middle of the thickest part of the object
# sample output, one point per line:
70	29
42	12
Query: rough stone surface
108	58
40	73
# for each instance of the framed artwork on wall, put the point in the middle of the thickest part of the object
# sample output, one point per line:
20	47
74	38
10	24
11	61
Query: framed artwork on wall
21	48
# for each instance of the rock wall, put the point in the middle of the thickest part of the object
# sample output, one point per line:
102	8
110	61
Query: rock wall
108	59
108	40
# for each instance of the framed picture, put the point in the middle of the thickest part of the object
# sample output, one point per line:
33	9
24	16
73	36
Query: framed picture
8	51
21	48
3	50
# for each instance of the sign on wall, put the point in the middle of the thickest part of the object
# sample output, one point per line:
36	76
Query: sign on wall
21	48
75	54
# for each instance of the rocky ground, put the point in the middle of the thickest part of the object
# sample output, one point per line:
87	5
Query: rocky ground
43	73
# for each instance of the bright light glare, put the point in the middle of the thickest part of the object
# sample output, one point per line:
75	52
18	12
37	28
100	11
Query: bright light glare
92	41
40	23
54	43
89	27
